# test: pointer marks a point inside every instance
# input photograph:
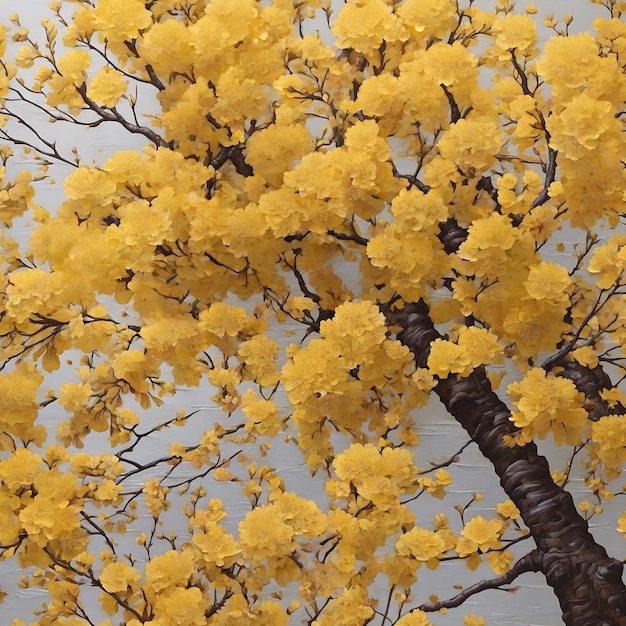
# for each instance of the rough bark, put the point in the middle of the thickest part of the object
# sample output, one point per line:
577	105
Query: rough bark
587	582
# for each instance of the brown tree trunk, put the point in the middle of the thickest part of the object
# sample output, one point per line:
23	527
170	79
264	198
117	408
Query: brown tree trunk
587	582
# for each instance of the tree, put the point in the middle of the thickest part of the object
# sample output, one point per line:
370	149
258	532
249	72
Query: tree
432	151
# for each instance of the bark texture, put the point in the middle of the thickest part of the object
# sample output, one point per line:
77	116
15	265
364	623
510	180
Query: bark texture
587	582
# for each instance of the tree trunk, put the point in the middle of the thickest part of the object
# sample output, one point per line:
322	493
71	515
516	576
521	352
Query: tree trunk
587	582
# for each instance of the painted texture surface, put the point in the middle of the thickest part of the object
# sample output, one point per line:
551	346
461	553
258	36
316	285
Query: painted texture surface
532	604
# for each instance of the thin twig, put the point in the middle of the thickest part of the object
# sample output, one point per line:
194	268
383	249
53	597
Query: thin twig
528	563
112	115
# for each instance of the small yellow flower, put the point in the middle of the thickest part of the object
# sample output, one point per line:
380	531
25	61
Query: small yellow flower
423	545
485	534
508	510
119	577
107	87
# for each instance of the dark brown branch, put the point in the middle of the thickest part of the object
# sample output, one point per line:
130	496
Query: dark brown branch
92	578
530	562
555	359
98	530
239	162
591	239
112	115
349	237
51	150
587	582
154	79
414	181
455	113
552	154
543	197
449	461
220	264
451	235
523	79
233	154
301	281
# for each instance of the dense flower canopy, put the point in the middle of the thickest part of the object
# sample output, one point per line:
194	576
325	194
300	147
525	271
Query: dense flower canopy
317	179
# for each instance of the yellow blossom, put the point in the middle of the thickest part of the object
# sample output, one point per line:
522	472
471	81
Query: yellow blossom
548	281
364	25
121	22
381	477
474	347
471	144
350	604
216	546
610	434
18	395
52	513
73	396
592	71
263	535
181	606
222	319
500	561
548	403
508	510
107	87
435	17
263	414
421	544
515	31
483	534
119	577
595	124
172	569
258	355
20	468
156	497
414	618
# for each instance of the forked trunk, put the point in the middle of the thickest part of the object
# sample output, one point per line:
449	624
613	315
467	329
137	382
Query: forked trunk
587	582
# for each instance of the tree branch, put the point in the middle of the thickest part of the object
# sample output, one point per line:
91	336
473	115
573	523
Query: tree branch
550	176
587	582
112	115
530	562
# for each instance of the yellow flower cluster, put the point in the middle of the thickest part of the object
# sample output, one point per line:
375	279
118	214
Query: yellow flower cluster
479	536
332	377
379	477
474	347
547	404
610	434
269	533
364	24
414	618
421	544
609	262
